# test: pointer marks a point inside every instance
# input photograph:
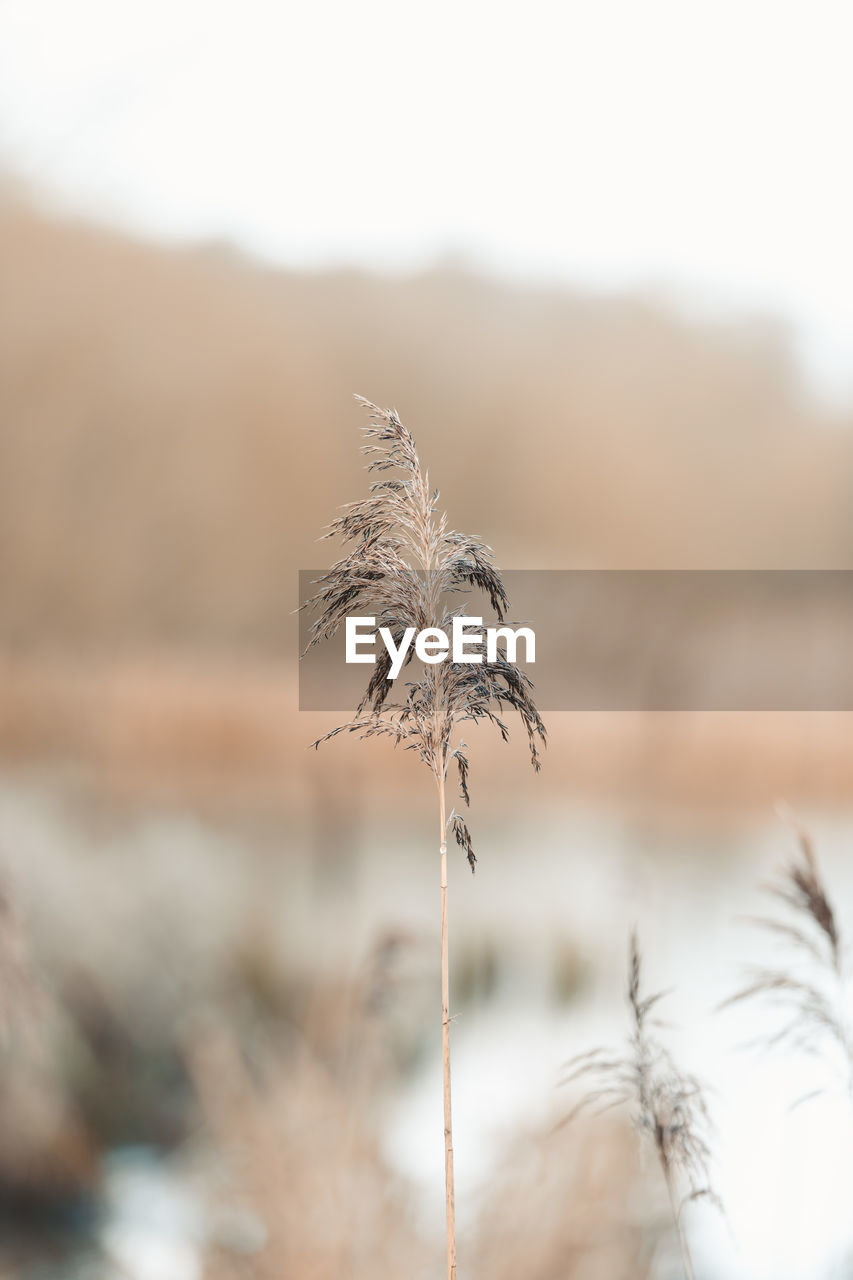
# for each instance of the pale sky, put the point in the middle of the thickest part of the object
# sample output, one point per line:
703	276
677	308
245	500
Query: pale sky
703	148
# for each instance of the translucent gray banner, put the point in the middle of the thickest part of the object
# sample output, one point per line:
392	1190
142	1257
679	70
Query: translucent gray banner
648	640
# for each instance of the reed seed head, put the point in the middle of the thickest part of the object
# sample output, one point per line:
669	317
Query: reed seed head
668	1105
811	989
406	568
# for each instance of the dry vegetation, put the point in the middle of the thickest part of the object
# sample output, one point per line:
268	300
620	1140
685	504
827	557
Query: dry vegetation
303	1189
168	421
165	421
809	990
568	1206
669	1108
303	1165
402	565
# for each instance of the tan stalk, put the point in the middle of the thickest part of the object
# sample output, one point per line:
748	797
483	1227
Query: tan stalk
445	1045
686	1258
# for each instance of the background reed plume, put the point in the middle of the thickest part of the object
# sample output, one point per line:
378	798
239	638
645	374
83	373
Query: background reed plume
811	991
406	569
669	1108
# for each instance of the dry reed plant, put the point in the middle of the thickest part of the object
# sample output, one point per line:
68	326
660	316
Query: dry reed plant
566	1205
669	1106
48	1152
301	1188
21	998
812	990
404	565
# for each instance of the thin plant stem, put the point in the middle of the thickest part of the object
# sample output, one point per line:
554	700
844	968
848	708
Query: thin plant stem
445	1045
689	1273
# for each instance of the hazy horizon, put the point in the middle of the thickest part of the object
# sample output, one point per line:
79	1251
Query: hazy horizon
689	152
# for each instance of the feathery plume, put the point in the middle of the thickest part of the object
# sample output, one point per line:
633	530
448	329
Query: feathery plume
669	1108
405	568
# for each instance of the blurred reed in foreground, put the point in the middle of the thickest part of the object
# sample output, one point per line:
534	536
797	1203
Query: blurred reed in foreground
668	1105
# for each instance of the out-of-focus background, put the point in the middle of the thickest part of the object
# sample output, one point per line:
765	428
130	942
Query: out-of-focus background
598	257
